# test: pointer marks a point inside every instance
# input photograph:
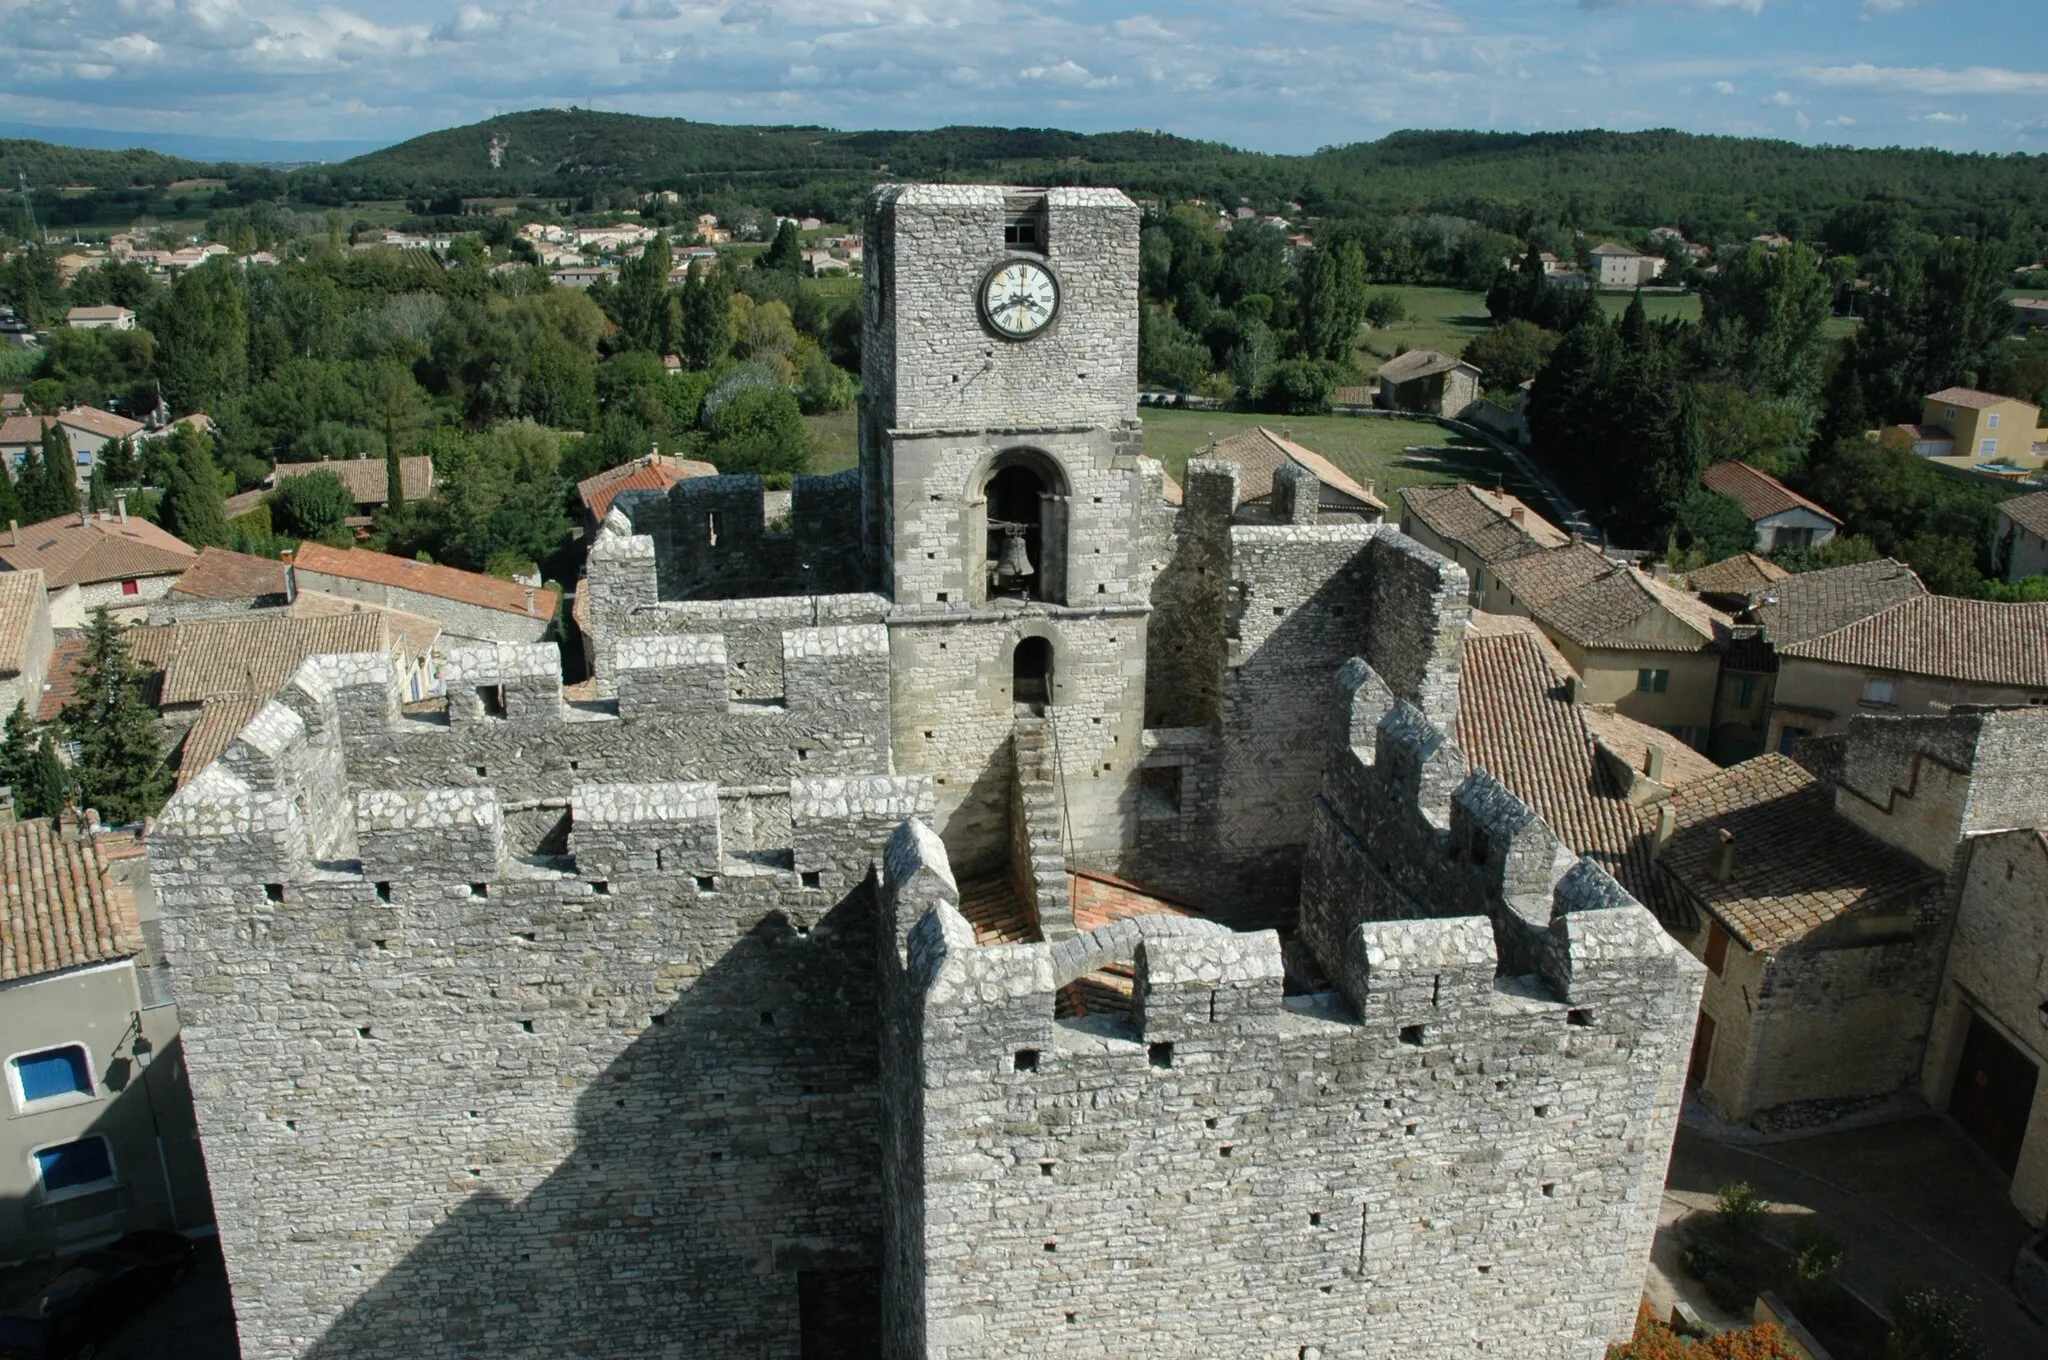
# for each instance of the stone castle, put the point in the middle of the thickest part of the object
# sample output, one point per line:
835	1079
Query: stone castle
654	1023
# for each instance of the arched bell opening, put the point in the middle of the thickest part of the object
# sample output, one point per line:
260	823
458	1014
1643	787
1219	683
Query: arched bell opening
1024	499
1031	672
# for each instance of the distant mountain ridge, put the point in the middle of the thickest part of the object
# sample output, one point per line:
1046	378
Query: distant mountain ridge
1710	185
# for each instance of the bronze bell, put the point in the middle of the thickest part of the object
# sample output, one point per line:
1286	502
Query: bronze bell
1015	561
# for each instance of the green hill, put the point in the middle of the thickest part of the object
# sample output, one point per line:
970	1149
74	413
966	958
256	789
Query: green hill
47	165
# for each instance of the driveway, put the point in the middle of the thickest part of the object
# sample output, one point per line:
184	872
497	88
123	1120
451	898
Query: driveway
1910	1200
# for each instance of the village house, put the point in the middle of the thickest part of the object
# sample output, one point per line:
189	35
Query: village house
1782	518
26	639
1623	267
100	319
2029	313
368	481
583	276
1733	584
1260	454
1964	428
1428	381
1637	643
1476	528
220	583
650	472
2019	537
99	1137
468	606
1924	654
111	559
87	427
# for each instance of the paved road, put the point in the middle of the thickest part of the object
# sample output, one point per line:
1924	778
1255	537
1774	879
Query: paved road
1910	1200
194	1322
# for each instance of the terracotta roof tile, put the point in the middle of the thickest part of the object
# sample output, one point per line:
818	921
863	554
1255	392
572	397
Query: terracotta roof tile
367	479
1968	396
223	575
426	578
1809	603
104	424
1760	493
2030	512
1743	576
1482	522
655	472
1797	863
61	680
21	596
1541	577
1419	363
1599	612
1976	641
23	429
252	654
1632	740
56	910
102	549
414	633
1259	453
220	722
1515	723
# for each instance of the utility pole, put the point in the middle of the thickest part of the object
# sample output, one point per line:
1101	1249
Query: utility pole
28	206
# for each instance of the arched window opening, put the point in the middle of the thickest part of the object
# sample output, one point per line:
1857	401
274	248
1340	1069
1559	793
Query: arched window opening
1031	672
1016	534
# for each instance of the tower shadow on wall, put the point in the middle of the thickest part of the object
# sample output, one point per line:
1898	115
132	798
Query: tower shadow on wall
722	1198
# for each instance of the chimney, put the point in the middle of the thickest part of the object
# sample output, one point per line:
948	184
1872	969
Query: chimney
1578	539
121	506
84	517
1667	827
1653	764
1519	513
529	599
1572	691
14	533
1662	571
1723	867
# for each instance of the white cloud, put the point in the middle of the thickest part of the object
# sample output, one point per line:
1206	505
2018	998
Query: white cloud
1871	7
1725	87
1802	120
648	9
1926	80
1839	120
1780	99
1746	6
469	23
1942	118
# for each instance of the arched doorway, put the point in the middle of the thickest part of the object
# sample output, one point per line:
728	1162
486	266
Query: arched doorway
1031	672
1024	548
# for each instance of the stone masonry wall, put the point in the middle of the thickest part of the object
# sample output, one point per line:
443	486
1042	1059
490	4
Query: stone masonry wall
1457	1153
471	1090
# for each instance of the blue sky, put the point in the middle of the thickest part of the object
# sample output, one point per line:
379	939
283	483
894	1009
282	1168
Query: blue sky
1273	75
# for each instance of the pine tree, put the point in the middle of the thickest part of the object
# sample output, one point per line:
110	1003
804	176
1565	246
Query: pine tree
785	252
120	770
194	507
29	765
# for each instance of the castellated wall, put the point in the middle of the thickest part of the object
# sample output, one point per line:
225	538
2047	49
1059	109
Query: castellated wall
542	1030
1252	612
1456	1152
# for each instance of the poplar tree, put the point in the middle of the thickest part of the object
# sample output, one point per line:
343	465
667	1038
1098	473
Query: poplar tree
120	770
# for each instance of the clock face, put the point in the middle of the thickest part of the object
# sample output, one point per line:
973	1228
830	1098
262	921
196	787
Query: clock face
1019	298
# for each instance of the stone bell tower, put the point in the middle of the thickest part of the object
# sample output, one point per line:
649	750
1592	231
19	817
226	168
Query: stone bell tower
1005	510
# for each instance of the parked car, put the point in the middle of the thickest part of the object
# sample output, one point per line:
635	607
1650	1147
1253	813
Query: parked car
92	1297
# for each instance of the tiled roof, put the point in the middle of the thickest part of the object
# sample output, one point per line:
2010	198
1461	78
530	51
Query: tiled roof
105	424
1259	454
1543	576
21	595
1797	863
252	654
1616	248
220	722
23	429
2030	512
1632	740
654	472
56	911
1419	363
1597	613
1482	521
1760	493
426	578
1515	722
61	680
1744	575
1810	603
1968	396
1976	641
367	479
414	633
223	575
78	314
102	549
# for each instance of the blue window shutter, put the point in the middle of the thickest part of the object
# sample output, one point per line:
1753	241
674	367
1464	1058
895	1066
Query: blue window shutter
68	1165
54	1072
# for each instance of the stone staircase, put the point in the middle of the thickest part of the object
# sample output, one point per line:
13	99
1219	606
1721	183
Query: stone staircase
1038	827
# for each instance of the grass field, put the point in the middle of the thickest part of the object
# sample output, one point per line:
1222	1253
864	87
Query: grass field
1438	318
1387	452
835	441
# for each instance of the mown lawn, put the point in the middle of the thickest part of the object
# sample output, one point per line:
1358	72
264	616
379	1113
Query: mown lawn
1438	318
835	441
1387	452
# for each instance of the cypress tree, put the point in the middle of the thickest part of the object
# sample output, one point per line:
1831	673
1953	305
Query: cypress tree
120	770
785	252
193	507
29	765
59	473
28	483
706	335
